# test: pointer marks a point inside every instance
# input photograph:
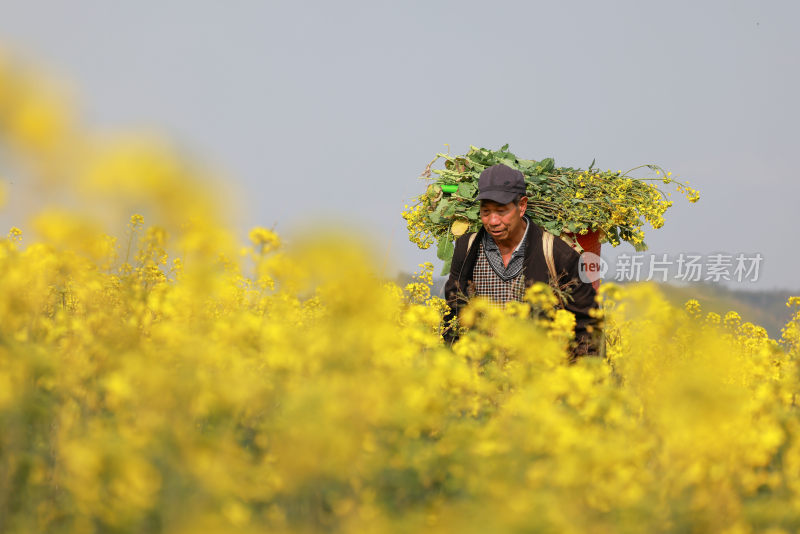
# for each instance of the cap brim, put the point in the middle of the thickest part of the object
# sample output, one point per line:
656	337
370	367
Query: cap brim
501	197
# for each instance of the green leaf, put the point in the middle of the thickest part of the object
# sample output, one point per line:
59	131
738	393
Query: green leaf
504	147
526	165
466	190
554	227
444	251
433	190
446	267
481	156
510	162
473	213
547	164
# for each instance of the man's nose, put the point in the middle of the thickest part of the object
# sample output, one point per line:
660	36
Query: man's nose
494	219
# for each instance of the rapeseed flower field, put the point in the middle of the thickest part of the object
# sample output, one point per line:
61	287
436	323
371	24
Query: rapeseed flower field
165	378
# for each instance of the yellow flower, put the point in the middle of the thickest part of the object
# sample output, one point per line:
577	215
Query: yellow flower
263	238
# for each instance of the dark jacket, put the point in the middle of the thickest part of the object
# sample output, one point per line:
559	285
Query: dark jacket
534	270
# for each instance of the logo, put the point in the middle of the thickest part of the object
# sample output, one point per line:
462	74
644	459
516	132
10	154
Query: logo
591	267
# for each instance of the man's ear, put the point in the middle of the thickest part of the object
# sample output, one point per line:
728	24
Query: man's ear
523	205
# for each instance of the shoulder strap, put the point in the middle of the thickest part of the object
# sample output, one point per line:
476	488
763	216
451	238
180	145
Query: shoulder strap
471	240
547	245
466	253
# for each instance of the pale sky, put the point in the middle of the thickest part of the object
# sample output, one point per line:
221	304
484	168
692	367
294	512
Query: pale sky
332	109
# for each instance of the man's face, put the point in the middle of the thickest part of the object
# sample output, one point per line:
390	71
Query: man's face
503	221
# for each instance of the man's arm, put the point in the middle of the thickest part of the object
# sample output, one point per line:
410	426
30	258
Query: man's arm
580	301
588	329
450	333
454	294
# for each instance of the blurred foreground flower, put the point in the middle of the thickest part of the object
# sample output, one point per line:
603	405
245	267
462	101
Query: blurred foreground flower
153	381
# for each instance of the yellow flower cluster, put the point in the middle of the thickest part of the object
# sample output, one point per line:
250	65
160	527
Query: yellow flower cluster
417	223
420	290
692	195
161	383
627	205
150	401
265	240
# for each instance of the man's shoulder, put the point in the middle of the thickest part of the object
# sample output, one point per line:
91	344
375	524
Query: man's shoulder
465	240
463	247
563	252
534	230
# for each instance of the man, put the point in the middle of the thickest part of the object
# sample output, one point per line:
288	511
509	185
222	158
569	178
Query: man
510	253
